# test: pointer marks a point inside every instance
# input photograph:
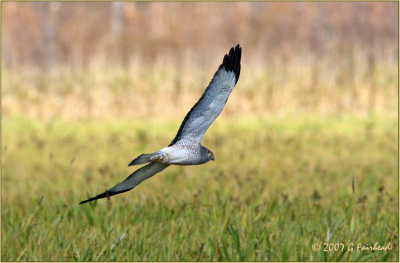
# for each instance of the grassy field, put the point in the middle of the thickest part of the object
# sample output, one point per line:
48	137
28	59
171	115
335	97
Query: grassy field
306	149
278	186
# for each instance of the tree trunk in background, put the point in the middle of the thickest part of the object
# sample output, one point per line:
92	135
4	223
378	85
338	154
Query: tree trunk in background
117	19
117	29
48	21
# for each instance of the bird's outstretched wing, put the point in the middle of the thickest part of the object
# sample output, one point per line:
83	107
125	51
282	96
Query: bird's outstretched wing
213	100
131	181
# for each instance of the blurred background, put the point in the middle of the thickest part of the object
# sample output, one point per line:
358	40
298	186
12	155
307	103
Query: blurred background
102	60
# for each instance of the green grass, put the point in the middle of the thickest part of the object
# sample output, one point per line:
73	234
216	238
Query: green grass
277	186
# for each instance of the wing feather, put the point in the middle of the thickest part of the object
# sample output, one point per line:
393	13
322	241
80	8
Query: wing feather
213	100
131	181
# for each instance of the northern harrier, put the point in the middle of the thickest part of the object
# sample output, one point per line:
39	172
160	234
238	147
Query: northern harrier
186	149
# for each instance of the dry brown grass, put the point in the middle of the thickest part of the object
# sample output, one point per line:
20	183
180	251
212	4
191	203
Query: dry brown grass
301	87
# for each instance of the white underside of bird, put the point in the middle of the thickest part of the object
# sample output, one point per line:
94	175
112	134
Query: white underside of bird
184	152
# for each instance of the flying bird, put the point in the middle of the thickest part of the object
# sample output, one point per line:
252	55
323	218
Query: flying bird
185	148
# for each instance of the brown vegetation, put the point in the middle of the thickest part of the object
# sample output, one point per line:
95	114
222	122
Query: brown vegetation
136	59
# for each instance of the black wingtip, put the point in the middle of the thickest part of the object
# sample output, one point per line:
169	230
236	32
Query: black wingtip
231	61
82	202
102	195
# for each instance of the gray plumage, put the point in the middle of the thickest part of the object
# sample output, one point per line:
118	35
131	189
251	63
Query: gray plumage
185	148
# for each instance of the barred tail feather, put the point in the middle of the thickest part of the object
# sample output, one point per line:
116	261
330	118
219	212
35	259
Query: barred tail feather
141	159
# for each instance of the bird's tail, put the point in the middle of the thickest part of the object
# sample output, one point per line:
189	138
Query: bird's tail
141	159
148	158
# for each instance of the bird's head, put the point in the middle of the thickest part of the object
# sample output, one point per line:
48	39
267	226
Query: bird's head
206	155
210	156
